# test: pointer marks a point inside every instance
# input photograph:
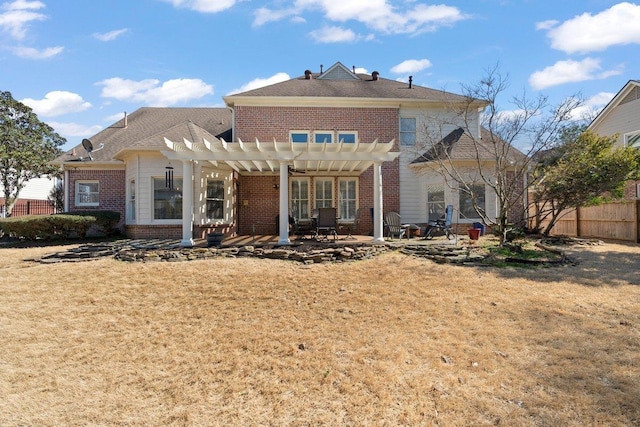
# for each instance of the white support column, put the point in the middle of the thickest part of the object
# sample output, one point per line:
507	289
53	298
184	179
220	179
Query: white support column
66	190
283	238
377	203
187	204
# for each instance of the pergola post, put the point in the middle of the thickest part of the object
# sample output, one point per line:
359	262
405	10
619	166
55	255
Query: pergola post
377	203
283	238
187	204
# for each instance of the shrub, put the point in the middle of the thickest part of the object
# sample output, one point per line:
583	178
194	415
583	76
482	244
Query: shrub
32	227
106	221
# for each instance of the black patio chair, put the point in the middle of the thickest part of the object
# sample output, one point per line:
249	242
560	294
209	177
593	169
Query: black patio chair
442	225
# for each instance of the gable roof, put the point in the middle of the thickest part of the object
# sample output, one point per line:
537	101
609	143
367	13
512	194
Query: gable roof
630	92
460	146
341	83
146	128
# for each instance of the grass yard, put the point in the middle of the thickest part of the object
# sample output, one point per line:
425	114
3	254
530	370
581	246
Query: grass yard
394	340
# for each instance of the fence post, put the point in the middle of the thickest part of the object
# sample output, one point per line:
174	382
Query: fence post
578	221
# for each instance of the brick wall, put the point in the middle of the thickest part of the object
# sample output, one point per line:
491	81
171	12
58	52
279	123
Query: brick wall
267	123
112	190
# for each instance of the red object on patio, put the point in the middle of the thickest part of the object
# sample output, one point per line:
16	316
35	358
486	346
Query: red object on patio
474	233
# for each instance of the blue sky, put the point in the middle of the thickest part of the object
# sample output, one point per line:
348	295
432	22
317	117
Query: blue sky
80	64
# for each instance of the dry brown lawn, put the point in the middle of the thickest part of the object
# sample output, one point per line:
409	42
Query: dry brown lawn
390	341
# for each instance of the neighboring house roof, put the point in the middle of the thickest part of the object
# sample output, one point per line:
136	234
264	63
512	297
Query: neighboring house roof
146	128
460	146
630	92
340	82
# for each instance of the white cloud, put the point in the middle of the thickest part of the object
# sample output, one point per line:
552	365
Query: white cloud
258	83
617	25
546	25
592	106
333	35
411	66
109	36
32	53
263	15
151	92
205	6
57	103
569	71
378	15
18	15
74	129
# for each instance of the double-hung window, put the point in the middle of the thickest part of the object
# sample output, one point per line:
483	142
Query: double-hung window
435	202
347	198
215	199
87	193
324	193
471	195
299	195
408	131
167	202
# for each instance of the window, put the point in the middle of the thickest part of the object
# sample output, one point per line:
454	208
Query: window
467	199
347	198
347	137
299	198
323	137
435	202
132	199
632	139
215	199
408	131
299	136
87	193
324	193
167	202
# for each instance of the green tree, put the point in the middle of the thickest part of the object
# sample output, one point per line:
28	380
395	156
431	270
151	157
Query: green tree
584	170
27	146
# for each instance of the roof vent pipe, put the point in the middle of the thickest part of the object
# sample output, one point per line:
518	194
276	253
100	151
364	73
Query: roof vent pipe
320	68
375	75
410	81
307	75
354	69
126	120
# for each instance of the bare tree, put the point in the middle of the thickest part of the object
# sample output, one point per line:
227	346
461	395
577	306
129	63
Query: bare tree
493	148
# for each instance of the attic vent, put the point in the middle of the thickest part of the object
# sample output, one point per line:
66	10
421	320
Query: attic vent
633	95
307	74
375	75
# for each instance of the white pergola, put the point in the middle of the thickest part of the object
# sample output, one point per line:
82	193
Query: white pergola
277	157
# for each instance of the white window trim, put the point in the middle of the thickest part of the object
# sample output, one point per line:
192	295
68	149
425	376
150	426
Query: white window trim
357	196
77	194
347	132
309	195
629	135
132	201
301	132
400	132
323	132
152	201
316	180
206	199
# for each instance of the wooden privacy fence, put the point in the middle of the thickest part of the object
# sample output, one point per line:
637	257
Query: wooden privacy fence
29	207
613	221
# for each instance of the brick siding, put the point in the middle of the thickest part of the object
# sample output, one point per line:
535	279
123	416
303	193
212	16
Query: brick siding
267	123
112	190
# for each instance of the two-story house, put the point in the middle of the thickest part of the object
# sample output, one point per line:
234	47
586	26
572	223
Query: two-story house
329	138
